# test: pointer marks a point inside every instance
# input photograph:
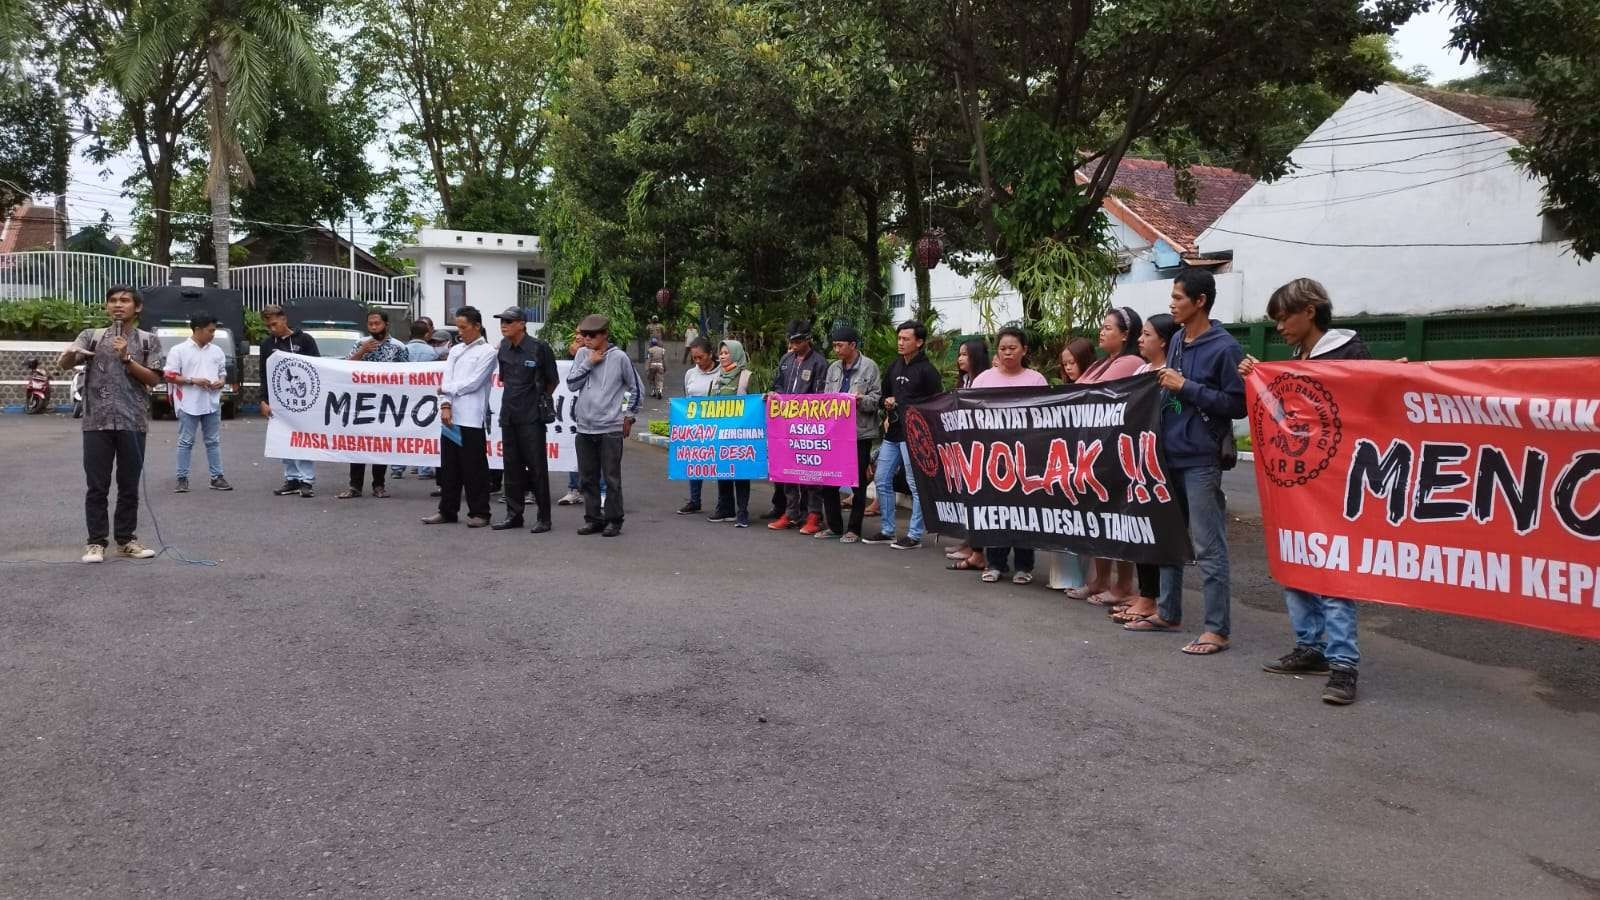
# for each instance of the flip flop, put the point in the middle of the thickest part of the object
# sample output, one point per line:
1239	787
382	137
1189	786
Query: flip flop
962	565
1189	648
1079	593
1104	598
1146	623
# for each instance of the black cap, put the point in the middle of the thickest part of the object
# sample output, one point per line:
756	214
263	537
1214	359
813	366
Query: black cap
799	330
845	333
511	314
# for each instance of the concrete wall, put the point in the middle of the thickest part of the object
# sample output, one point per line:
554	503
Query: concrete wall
1379	187
491	280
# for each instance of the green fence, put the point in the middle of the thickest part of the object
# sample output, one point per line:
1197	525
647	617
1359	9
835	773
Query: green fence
1570	331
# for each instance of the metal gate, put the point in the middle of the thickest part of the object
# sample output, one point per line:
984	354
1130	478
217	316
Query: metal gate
84	277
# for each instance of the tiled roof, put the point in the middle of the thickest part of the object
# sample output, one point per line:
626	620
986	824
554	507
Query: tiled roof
29	227
1509	116
1144	187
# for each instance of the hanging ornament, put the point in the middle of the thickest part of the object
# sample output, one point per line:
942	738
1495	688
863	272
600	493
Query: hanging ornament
664	298
930	249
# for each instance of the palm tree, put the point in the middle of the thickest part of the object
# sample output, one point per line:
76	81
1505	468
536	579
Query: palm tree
249	44
16	27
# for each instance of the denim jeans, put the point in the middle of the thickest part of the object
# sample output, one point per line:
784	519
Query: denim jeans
574	484
694	492
1199	493
210	426
1325	624
891	456
733	497
301	470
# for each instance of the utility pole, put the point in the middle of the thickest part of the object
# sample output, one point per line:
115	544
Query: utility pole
352	214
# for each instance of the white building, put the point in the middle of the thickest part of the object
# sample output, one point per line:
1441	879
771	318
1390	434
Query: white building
1404	202
1155	232
477	268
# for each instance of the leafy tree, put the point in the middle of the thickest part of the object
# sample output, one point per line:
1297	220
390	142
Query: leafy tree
154	121
472	78
248	46
33	143
1547	49
310	168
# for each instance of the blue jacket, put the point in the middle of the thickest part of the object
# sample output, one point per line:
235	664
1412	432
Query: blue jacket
1199	417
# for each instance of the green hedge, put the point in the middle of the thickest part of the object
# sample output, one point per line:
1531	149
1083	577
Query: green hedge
48	319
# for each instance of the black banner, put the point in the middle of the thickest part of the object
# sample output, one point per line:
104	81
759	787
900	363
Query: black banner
1074	468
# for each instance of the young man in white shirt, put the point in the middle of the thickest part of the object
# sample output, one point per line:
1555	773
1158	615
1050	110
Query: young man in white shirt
464	414
195	372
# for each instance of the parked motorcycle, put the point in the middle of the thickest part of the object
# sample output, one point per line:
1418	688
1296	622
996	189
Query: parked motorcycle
77	389
37	390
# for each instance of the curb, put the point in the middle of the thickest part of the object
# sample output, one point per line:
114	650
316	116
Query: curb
654	440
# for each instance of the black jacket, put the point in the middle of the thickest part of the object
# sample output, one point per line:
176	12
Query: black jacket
527	370
296	342
908	383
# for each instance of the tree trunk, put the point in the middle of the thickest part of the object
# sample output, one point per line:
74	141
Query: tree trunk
221	144
916	224
161	197
871	211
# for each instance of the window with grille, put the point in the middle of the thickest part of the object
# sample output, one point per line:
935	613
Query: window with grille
897	301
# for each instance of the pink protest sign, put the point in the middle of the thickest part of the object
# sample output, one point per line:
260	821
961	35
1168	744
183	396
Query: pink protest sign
811	439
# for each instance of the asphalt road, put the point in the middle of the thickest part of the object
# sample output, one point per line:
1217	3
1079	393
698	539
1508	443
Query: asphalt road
352	703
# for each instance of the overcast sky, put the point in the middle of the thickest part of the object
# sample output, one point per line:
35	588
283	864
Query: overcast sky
1419	42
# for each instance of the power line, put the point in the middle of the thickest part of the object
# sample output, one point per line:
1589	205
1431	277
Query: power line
1477	127
1281	240
1319	173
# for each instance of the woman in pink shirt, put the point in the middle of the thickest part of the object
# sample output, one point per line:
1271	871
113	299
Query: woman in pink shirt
1011	351
1119	338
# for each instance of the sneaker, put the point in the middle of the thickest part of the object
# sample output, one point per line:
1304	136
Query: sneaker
879	538
906	543
182	487
1341	689
307	490
93	553
688	509
570	498
813	524
850	537
743	521
220	484
135	550
289	487
720	517
824	534
1299	661
781	523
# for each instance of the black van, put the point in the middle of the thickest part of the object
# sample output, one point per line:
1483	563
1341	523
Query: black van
337	324
167	311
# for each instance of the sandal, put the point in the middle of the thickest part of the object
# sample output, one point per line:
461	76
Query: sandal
964	565
347	494
1123	617
1103	599
1151	623
1022	578
990	576
380	493
1199	647
1080	593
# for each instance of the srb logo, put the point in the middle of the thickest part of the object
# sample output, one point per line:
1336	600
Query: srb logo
295	385
1295	429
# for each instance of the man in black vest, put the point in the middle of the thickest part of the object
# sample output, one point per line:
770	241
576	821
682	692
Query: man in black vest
528	371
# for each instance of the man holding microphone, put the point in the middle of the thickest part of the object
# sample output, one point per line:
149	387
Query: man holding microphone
123	364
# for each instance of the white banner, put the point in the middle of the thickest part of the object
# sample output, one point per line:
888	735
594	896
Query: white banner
336	410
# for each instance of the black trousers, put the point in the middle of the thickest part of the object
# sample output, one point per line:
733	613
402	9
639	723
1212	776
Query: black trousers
358	474
464	468
600	455
996	558
101	451
733	496
858	510
527	462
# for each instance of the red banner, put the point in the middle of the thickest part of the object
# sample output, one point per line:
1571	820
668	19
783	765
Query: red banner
1468	487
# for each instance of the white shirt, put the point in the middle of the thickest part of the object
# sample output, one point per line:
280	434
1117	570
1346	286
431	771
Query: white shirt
697	383
190	360
468	375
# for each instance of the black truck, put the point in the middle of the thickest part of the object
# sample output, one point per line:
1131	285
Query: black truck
167	311
337	324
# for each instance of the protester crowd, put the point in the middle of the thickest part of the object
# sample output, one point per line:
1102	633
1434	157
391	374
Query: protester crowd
1199	366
